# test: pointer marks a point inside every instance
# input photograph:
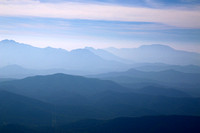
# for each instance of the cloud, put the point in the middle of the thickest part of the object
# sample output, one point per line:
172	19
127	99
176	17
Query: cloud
185	18
19	1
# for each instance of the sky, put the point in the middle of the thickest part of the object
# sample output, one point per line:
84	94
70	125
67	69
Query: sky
71	24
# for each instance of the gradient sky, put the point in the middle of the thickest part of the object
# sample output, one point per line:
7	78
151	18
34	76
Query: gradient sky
71	24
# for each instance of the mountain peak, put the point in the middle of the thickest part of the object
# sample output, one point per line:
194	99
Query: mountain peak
12	43
7	41
89	48
82	51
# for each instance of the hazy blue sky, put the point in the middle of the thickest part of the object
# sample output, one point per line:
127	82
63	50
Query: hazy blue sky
72	24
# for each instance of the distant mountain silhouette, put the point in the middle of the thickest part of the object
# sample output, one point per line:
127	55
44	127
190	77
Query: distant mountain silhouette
60	88
162	67
79	98
90	60
107	55
5	79
171	76
157	53
15	71
188	82
18	72
27	56
161	91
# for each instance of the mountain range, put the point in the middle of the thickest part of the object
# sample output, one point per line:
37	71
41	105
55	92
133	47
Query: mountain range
152	88
74	98
157	53
28	56
90	60
132	78
16	71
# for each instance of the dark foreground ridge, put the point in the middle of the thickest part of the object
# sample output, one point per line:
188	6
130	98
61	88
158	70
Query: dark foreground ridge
150	124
